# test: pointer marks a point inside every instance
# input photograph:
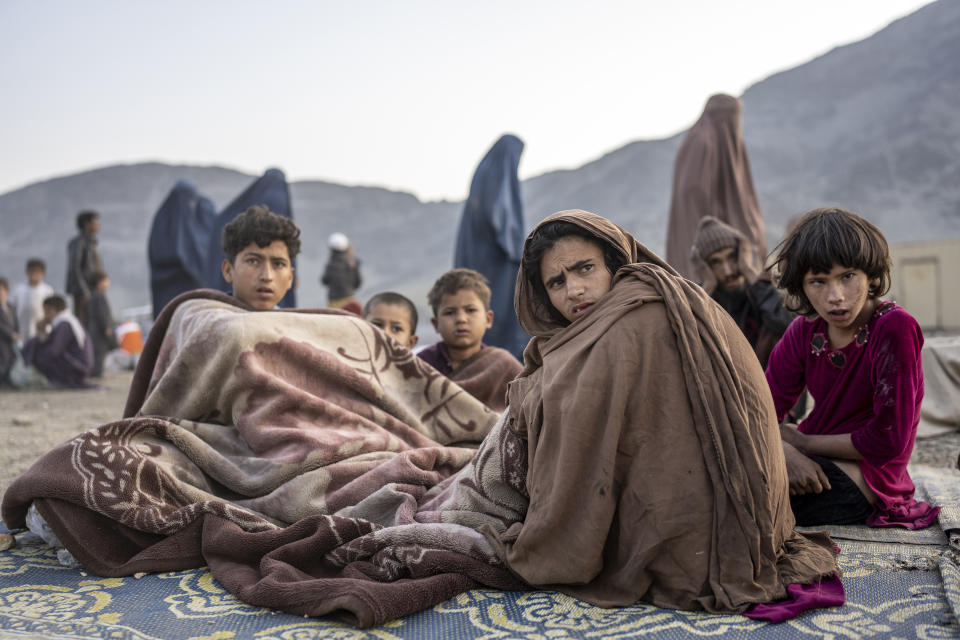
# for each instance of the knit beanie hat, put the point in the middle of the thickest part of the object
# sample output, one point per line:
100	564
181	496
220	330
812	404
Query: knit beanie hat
712	236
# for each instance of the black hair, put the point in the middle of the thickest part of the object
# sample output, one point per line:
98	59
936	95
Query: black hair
36	263
86	216
543	239
391	297
4	284
56	302
826	237
259	224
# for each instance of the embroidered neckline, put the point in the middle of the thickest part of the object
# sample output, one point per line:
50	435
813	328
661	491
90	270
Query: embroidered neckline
819	344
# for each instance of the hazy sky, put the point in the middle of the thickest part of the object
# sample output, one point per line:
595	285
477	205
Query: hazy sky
403	94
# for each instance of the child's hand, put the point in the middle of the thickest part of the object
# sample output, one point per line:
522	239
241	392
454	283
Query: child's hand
804	475
791	435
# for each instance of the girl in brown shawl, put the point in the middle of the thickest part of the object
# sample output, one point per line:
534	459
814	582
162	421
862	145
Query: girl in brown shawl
655	470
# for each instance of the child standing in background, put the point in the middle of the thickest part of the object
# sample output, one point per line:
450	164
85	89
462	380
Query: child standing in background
100	322
859	357
27	298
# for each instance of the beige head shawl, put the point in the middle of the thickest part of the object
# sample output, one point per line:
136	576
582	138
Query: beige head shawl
534	315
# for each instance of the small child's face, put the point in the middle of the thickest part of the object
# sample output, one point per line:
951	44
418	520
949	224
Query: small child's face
461	320
3	294
841	297
394	319
103	285
35	276
49	313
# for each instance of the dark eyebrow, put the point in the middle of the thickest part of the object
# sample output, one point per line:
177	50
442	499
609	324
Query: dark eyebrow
576	265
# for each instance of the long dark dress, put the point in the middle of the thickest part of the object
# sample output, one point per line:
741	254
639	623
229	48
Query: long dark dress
179	239
711	176
490	238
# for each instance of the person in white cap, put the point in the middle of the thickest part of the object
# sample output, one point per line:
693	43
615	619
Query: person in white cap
341	276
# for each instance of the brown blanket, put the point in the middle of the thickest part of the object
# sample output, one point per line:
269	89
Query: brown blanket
249	436
485	376
655	467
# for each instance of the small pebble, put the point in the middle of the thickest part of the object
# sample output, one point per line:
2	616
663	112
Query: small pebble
21	421
139	574
7	541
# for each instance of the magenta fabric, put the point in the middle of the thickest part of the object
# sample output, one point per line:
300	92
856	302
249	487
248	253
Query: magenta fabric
800	597
871	389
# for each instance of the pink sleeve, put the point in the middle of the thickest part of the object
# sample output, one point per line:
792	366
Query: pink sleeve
896	372
785	369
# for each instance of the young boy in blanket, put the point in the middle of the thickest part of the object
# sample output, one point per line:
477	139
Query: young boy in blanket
859	356
260	247
460	300
395	314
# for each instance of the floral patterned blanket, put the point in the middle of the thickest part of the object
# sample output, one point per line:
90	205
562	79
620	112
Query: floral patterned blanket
291	452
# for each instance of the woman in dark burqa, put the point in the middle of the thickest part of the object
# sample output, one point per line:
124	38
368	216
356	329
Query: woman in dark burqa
711	176
490	237
178	243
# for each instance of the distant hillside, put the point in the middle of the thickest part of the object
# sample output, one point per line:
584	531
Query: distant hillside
874	126
395	234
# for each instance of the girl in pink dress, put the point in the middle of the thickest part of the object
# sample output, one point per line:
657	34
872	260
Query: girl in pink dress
859	357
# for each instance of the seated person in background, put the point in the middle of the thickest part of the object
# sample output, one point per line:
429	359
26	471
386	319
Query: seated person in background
395	314
100	322
460	300
9	335
860	359
260	247
724	260
653	466
61	350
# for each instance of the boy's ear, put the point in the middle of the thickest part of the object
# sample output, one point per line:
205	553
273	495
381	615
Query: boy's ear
433	321
489	318
227	269
412	341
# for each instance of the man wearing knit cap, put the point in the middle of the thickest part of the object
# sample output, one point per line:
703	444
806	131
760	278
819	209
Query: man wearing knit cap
725	264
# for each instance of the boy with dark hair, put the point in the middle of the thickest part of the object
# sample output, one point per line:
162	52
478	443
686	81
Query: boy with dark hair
100	322
395	314
27	297
260	247
460	300
9	336
83	260
61	350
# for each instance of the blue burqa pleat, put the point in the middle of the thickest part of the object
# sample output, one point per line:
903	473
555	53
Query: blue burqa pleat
270	190
490	237
178	243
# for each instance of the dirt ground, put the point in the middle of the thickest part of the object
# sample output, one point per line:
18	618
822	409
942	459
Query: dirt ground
33	422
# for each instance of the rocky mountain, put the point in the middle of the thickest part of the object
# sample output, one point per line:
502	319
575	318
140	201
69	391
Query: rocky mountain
873	126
